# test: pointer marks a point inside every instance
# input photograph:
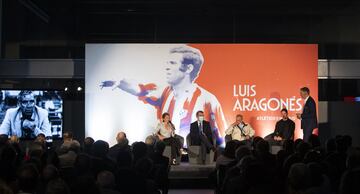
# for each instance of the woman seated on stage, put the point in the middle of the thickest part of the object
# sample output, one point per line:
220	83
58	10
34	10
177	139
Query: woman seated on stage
165	131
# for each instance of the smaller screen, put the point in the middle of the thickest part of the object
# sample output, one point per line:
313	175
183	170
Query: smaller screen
29	113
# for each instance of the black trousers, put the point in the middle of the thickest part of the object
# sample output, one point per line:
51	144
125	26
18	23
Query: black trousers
205	145
175	145
271	141
307	133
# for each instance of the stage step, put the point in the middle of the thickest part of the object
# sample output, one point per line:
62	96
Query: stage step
191	176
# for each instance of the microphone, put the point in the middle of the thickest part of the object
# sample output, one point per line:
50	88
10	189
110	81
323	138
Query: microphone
173	129
172	125
241	129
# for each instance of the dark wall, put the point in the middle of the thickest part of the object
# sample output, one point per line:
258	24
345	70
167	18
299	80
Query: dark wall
60	29
344	119
74	118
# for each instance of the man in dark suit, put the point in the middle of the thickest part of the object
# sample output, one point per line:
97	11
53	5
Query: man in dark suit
201	135
308	116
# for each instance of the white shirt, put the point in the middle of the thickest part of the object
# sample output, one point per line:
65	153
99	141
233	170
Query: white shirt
305	103
161	129
12	123
201	126
240	132
306	99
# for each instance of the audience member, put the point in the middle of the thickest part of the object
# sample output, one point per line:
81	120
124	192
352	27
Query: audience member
229	154
106	181
122	145
57	186
88	143
299	167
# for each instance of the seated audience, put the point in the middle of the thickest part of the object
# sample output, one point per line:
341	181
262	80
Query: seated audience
161	167
234	171
68	136
4	189
228	156
28	179
299	179
106	182
67	159
150	142
262	154
157	157
139	151
300	167
122	145
350	182
57	186
144	168
100	160
88	143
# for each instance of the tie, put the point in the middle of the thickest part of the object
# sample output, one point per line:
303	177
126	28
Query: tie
201	128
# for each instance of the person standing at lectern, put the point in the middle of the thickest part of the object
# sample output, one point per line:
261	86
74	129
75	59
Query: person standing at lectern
201	134
240	130
308	116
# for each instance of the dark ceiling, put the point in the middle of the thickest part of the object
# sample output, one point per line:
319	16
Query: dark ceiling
60	28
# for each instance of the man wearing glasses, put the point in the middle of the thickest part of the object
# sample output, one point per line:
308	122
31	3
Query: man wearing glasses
27	120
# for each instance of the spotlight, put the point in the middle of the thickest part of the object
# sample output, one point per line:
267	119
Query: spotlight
79	88
66	89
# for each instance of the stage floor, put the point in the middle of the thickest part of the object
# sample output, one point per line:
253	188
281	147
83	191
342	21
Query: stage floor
186	170
190	176
194	191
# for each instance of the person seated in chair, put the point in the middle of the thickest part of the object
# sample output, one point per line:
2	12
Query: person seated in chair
201	135
284	129
240	130
165	131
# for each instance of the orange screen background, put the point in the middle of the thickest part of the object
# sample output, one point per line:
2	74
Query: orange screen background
277	70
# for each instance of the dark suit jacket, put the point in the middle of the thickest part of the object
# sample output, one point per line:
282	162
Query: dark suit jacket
309	117
195	132
114	150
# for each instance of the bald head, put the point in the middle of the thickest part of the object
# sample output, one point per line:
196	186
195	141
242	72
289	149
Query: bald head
121	137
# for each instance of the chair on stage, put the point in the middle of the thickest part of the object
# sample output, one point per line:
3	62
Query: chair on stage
194	152
275	146
274	149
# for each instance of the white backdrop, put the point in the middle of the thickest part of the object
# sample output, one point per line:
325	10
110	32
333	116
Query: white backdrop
109	111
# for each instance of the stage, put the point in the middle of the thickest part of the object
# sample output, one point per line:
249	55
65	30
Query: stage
190	176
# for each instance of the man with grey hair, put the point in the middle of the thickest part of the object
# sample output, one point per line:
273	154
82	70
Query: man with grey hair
27	120
182	97
69	152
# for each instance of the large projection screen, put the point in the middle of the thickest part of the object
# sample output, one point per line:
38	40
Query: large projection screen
129	86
